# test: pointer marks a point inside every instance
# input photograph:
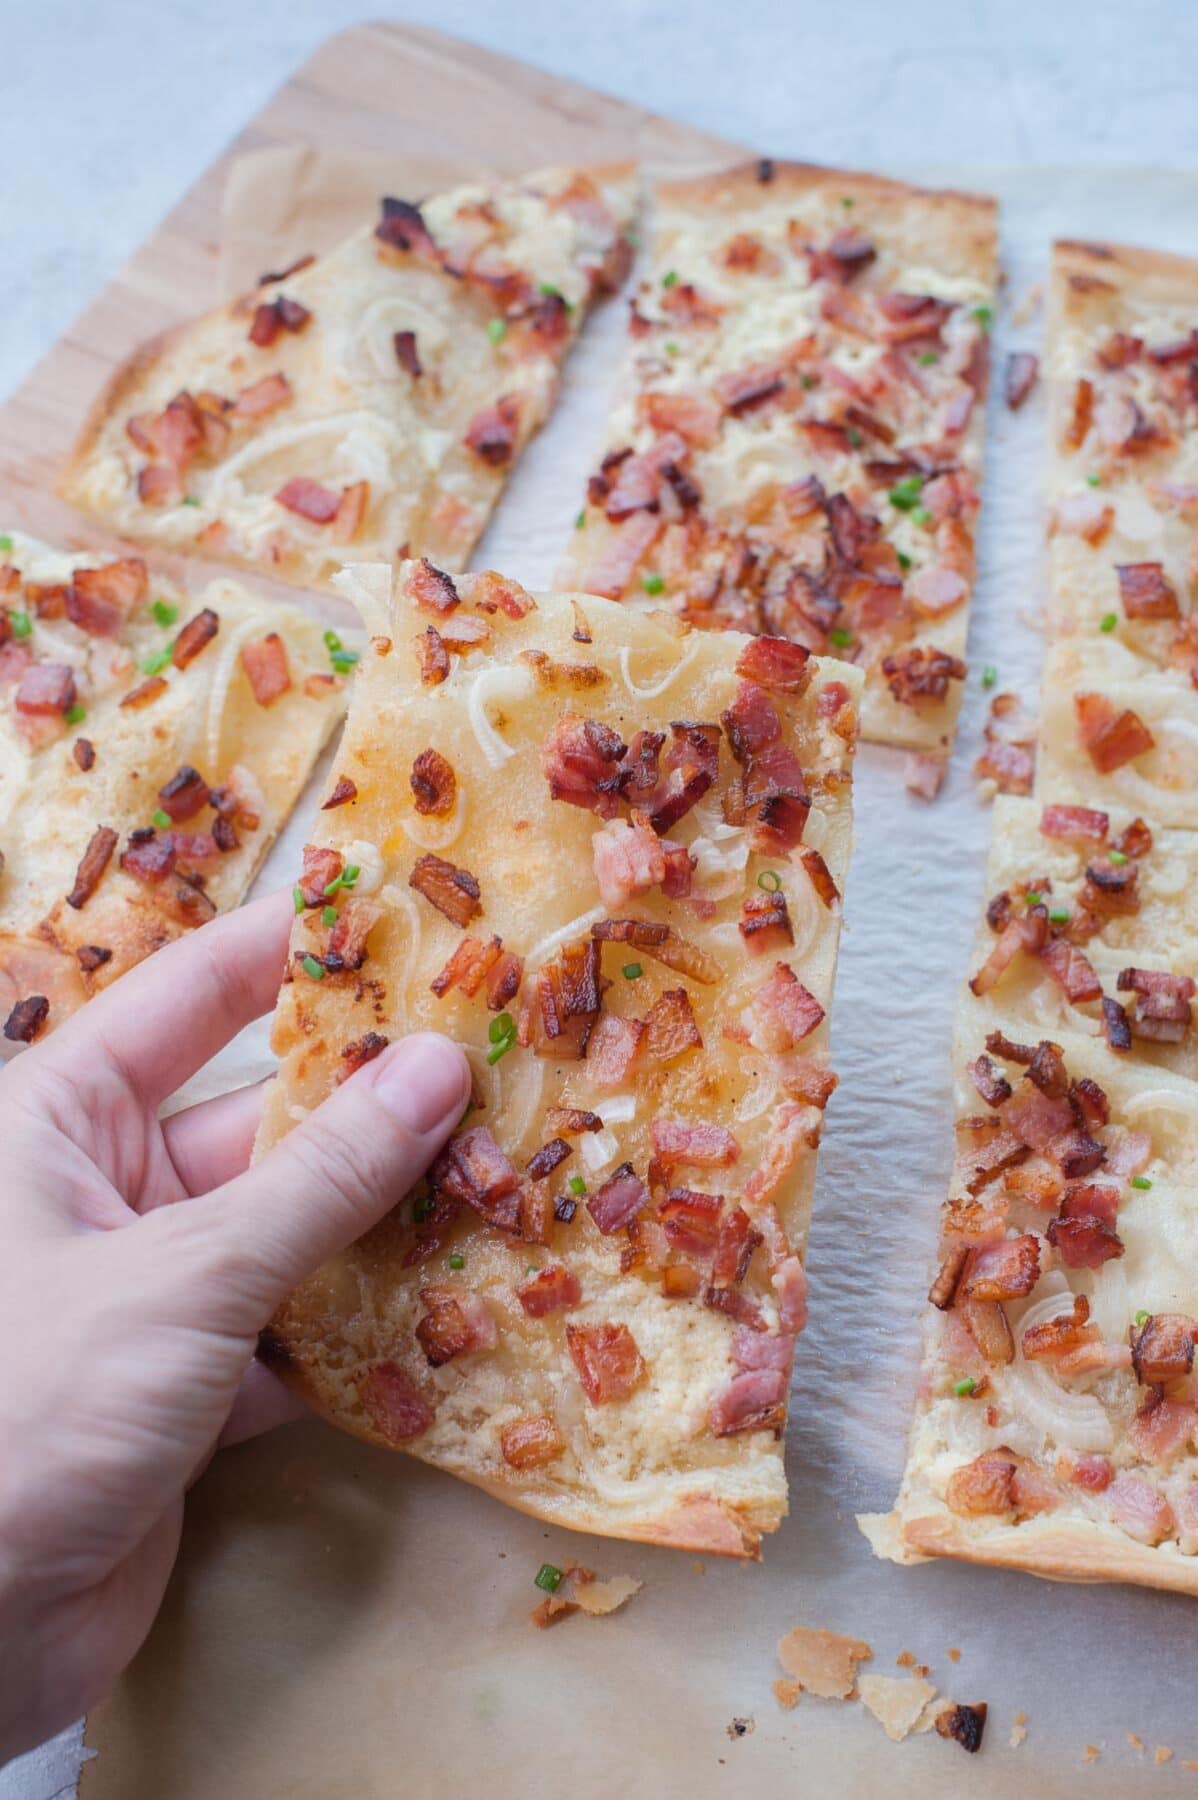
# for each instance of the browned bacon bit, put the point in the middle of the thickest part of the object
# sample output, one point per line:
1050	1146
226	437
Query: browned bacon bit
347	942
99	600
402	227
531	1442
84	752
690	1221
320	867
820	877
1047	1070
147	856
546	1159
692	764
309	500
1162	1348
454	1322
1092	1101
91	957
145	692
1003	1151
1081	415
259	399
1084	1236
550	1290
492	432
1060	1334
46	688
620	1198
608	1362
999	1044
1002	1271
646	934
1145	591
579	760
1071	970
434	657
406	354
361	1051
197	632
777	664
765	922
572	1120
432	588
1074	822
434	784
564	1208
909	316
92	864
921	673
394	1403
453	891
1135	840
503	982
1028	933
986	1323
473	1171
1110	737
184	794
466	968
1021	372
844	256
943	1290
684	1143
670	1028
273	316
734	1248
26	1019
964	1724
746	389
1111	889
266	667
344	790
993	1087
678	953
1162	1006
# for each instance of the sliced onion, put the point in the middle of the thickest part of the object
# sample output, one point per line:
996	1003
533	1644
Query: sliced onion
507	684
553	940
369	860
1074	1421
598	1148
436	834
651	689
367	587
618	1110
1160	1100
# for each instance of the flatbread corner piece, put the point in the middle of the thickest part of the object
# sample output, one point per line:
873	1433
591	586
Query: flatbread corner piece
796	443
370	403
606	854
152	744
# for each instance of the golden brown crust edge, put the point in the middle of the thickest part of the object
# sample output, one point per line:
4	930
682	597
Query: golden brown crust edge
1086	277
702	1524
1078	1551
804	178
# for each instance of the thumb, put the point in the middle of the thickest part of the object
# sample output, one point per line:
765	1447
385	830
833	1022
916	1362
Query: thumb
336	1175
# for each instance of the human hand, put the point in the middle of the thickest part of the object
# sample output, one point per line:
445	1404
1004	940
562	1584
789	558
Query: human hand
138	1261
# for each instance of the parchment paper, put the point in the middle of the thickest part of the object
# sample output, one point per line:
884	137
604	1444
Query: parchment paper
348	1623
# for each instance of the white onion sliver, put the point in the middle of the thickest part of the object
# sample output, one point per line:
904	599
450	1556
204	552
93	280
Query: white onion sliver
651	689
598	1148
368	859
618	1110
436	834
1160	1100
494	684
1076	1421
553	940
367	587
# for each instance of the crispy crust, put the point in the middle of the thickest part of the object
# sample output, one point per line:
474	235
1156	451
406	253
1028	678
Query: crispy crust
1080	1551
121	387
1085	279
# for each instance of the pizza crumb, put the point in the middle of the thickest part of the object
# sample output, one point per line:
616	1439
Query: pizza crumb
1188	1763
966	1725
580	1590
1018	1730
698	1568
1091	1753
896	1701
788	1693
905	1660
1136	1741
1027	306
823	1662
954	1656
1162	1754
739	1728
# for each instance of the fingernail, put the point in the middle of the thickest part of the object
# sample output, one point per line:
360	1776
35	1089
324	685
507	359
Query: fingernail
423	1081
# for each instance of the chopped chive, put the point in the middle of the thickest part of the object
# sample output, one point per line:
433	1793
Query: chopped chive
501	1027
1141	1316
5	542
190	500
840	637
905	493
161	820
332	641
580	521
76	714
422	1206
670	278
346	879
154	665
1118	857
497	330
989	676
531	1269
1059	915
343	660
328	915
548	1577
1108	621
577	1185
673	349
632	971
1141	1181
550	292
1032	897
855	438
984	316
311	967
653	584
164	612
807	381
964	1387
457	1260
770	880
926	358
22	624
297	894
904	561
922	516
500	1049
1094	480
847	201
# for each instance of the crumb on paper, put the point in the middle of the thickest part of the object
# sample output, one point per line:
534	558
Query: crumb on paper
739	1728
966	1725
906	1659
923	776
954	1655
1018	1730
1162	1754
788	1693
580	1590
1188	1763
896	1701
823	1662
1136	1741
1091	1753
1027	305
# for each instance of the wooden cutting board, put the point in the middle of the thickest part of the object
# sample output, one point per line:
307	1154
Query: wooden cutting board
390	88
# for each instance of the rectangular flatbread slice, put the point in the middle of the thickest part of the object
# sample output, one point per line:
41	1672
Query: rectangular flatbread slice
1055	1425
370	403
605	853
152	743
1091	927
796	446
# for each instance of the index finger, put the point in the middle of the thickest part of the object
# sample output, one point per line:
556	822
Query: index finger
163	1020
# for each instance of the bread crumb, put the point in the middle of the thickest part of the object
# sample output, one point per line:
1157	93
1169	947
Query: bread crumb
822	1661
896	1701
1136	1742
1186	1763
1018	1732
966	1725
1091	1753
739	1728
953	1655
1027	305
905	1660
581	1591
1162	1754
788	1693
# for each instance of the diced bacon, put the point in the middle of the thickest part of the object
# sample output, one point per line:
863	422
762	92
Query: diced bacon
620	1198
194	850
1027	933
623	547
1071	970
993	1087
1161	1430
453	891
692	764
775	663
629	860
924	775
937	591
983	1486
784	1012
681	1143
1074	824
467	966
1111	737
921	673
393	1403
670	1028
1085	1470
100	600
531	1442
752	1401
46	688
676	882
402	227
456	1322
433	784
1062	1333
607	1359
195	636
273	316
492	433
744	390
351	510
905	317
1140	1509
842	258
1036	1119
265	663
344	791
347	942
263	397
690	415
1145	592
434	657
184	794
580	760
763	1350
1083	1239
1002	1271
1022	369
320	867
503	982
789	1282
568	993
765	923
159	485
794	1127
431	588
1162	1004
1128	1153
552	1289
690	1221
612	1049
309	500
1162	1347
356	1054
473	1171
1087	516
92	864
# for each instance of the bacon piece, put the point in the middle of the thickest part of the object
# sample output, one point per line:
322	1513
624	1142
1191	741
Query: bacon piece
784	1011
1145	592
402	227
45	689
158	485
620	1198
1026	933
309	500
842	258
607	1359
629	860
432	588
467	966
100	600
983	1486
744	390
921	673
344	790
455	1322
1021	372
94	861
1084	1236
434	658
531	1442
1110	737
549	1157
690	415
453	891
347	943
621	551
1087	516
1071	970
965	1725
503	982
84	752
320	867
492	432
1063	1332
1074	823
777	664
906	317
1003	1271
735	1243
195	635
677	952
690	1221
820	877
670	1028
579	760
765	922
692	764
351	510
993	1087
937	590
687	1143
263	397
473	1171
406	353
149	857
267	669
273	316
791	1131
433	783
1162	1006
552	1289
1140	1509
184	794
572	1120
394	1403
356	1054
1161	1430
612	1048
754	1400
1162	1347
25	1021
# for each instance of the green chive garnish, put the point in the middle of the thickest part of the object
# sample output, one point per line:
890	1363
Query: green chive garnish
847	200
905	493
164	612
770	880
673	349
670	278
313	968
989	675
297	894
904	561
1117	857
1141	1316
22	624
1032	897
332	641
161	820
5	543
984	316
653	584
496	330
457	1261
154	665
632	971
328	915
344	661
967	1386
807	381
500	1049
1140	1181
1059	915
840	637
1108	621
550	292
1094	480
76	714
190	500
922	516
926	358
548	1577
577	1185
580	521
855	438
501	1027
346	879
